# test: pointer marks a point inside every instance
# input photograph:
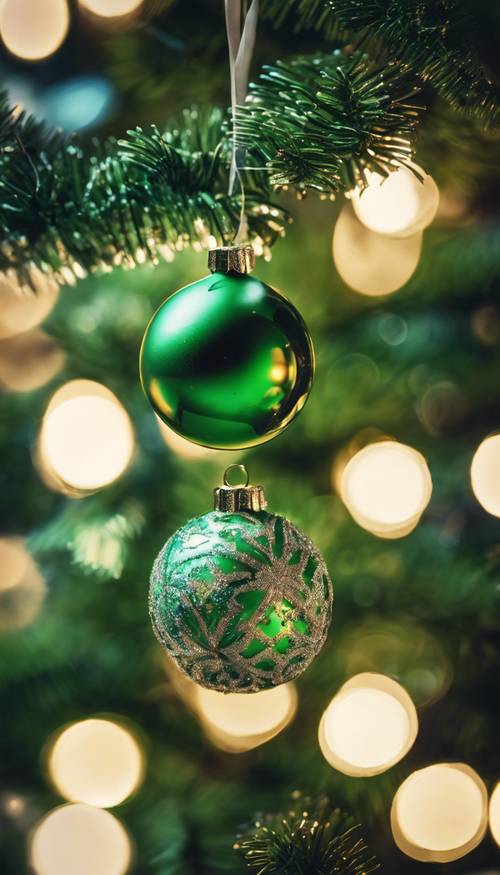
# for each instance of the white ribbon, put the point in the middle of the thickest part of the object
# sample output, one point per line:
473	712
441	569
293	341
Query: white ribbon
241	46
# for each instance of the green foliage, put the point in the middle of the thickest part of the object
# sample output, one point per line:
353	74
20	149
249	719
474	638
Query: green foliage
318	121
312	838
97	537
431	39
69	211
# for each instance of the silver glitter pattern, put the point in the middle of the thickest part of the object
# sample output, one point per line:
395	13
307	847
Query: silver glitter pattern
241	601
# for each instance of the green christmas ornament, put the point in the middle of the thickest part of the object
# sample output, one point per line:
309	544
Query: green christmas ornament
240	598
227	362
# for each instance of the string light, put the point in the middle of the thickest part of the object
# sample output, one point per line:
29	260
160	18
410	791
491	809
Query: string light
79	840
32	30
97	762
22	309
237	722
494	814
86	440
439	813
368	726
111	8
386	487
485	474
29	361
370	263
22	588
398	205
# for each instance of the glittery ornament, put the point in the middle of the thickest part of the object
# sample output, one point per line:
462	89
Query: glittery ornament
227	362
240	598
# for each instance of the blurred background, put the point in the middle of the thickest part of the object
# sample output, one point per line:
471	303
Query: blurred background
407	336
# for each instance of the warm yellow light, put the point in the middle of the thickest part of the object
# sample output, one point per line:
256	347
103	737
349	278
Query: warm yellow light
23	308
397	205
22	588
86	439
80	840
14	560
32	29
111	8
386	487
370	263
28	361
485	474
237	722
182	447
368	726
439	813
494	813
97	762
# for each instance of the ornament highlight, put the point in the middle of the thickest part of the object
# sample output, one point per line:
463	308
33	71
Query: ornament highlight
97	762
240	598
386	487
227	362
369	726
397	205
439	813
79	840
485	474
370	263
86	439
237	722
32	30
494	814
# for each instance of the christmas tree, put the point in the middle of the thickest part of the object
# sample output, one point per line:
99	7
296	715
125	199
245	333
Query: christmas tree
369	133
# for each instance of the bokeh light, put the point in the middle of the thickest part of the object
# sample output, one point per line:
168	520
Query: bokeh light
78	104
31	29
397	205
29	361
439	813
237	722
86	439
494	814
111	8
182	447
399	647
97	762
80	840
23	308
22	588
372	264
368	726
485	474
386	487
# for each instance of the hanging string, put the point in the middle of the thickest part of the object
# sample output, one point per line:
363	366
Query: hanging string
241	46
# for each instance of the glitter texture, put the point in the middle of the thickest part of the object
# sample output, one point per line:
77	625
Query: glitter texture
241	601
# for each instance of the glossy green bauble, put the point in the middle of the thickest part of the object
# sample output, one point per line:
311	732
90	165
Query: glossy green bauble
227	362
241	601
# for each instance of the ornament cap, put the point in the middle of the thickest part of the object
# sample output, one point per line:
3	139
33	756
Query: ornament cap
231	259
228	498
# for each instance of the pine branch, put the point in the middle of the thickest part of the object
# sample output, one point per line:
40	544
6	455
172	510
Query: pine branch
97	536
68	212
318	121
432	39
312	837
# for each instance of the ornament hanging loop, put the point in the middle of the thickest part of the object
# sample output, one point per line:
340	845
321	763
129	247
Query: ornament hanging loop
243	497
236	467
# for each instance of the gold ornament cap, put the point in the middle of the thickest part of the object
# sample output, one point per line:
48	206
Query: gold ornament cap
243	496
231	259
